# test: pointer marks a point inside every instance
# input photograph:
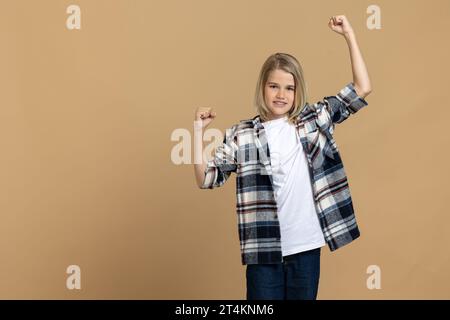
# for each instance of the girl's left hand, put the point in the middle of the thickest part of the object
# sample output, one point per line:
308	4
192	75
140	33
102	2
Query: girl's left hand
340	24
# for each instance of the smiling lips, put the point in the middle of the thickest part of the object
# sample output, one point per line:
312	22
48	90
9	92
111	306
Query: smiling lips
279	103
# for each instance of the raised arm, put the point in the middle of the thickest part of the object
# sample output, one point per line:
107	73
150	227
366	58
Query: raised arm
215	172
203	117
361	81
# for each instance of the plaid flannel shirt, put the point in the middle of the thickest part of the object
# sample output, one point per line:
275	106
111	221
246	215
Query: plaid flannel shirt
245	151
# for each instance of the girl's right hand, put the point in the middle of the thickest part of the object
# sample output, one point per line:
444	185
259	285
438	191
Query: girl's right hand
206	115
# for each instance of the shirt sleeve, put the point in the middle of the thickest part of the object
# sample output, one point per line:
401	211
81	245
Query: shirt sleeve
224	162
336	109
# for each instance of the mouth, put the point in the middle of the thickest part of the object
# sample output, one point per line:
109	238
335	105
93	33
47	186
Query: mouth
279	104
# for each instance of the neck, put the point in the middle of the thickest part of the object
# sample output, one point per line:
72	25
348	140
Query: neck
270	118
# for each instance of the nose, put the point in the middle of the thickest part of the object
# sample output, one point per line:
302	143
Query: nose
280	94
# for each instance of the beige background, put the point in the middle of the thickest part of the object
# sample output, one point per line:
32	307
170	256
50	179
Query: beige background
86	117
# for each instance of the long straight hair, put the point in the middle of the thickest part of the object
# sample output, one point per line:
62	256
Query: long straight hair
287	63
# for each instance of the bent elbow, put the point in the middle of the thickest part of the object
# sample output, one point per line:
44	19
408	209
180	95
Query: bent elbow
203	186
365	92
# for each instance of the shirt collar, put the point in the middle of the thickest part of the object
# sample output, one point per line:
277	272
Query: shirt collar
257	124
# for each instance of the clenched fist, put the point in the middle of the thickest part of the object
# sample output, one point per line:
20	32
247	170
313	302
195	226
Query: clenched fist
206	115
340	24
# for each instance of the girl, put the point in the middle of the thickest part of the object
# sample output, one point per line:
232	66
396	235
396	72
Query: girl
291	189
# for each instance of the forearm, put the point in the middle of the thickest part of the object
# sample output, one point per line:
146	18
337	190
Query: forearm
199	164
200	173
360	75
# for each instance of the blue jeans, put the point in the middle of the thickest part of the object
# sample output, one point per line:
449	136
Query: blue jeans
296	278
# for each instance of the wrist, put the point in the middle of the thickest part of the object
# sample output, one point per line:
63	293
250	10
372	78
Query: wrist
198	125
350	35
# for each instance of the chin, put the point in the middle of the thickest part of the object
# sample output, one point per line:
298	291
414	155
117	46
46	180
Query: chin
278	112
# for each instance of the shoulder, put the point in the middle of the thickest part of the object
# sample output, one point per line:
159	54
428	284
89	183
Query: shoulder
310	111
312	107
243	127
244	124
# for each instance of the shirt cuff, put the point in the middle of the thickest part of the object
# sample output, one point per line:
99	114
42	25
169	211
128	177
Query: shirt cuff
351	99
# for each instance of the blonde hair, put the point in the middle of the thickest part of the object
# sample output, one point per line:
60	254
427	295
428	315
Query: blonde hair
287	63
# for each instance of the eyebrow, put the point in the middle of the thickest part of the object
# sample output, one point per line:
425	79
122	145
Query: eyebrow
289	85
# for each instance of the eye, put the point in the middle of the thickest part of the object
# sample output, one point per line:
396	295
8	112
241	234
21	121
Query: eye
274	86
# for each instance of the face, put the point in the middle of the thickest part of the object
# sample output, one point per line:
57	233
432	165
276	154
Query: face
279	93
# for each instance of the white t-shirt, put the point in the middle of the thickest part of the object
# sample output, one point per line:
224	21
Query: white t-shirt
299	224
